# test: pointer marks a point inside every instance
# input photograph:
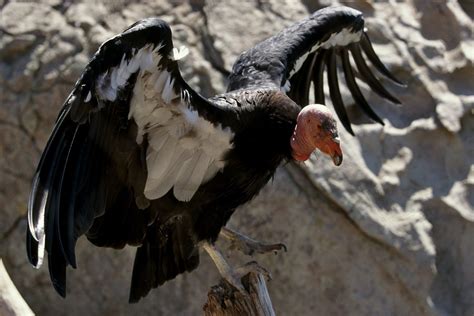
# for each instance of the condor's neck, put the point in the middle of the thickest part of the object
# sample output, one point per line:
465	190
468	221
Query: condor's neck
263	140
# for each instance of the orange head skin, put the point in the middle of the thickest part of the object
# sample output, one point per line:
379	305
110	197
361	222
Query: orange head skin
316	129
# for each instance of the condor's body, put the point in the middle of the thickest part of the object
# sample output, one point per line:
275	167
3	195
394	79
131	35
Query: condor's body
138	157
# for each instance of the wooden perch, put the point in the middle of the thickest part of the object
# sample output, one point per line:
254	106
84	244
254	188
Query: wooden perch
11	302
225	300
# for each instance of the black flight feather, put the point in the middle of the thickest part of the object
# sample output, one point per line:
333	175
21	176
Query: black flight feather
367	74
366	45
334	91
354	88
318	76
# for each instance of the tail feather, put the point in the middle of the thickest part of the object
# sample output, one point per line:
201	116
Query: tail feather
165	253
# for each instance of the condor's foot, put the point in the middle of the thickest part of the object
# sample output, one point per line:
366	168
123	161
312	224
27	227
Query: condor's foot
248	245
233	276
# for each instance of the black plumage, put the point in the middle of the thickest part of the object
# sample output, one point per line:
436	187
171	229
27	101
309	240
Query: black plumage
96	175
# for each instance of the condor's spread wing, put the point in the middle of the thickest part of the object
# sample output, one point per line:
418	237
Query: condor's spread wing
129	132
297	56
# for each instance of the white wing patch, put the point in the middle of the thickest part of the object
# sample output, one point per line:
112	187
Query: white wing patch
184	150
286	87
342	38
111	81
180	53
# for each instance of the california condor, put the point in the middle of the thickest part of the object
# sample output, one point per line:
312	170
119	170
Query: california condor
137	157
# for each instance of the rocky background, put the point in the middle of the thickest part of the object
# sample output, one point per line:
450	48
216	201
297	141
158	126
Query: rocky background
390	232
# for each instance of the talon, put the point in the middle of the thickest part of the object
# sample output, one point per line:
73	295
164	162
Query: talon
234	276
279	247
248	245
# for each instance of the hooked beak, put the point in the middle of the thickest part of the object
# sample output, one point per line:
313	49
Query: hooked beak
335	151
337	159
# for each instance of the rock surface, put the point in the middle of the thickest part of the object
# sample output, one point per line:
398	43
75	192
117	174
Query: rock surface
390	232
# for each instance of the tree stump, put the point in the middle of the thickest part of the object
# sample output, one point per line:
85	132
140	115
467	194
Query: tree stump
225	300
